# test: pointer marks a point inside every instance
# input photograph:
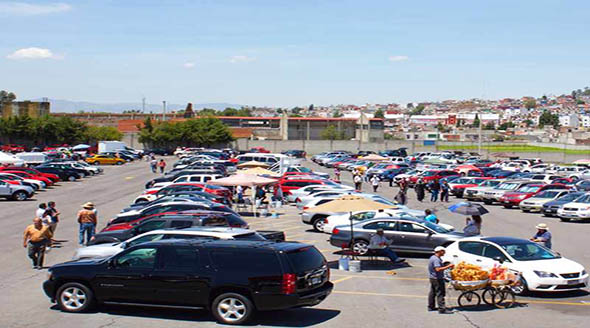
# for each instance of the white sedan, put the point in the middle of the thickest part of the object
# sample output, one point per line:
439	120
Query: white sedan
540	268
579	209
344	218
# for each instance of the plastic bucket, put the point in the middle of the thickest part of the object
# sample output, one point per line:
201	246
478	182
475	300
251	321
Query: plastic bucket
354	266
343	264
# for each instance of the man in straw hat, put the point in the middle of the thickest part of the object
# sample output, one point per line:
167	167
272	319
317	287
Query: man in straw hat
87	220
436	270
543	236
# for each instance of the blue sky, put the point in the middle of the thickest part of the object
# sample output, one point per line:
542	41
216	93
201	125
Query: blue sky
287	53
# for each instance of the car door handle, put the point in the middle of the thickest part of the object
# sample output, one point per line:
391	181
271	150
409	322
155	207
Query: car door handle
478	260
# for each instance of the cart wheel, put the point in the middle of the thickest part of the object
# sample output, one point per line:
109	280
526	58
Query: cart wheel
467	299
504	299
488	295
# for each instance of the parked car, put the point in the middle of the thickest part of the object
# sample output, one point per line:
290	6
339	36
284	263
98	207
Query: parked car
550	208
458	186
407	235
158	151
476	193
15	191
64	174
53	177
289	184
541	269
535	203
578	209
104	160
295	153
399	212
231	278
174	206
494	195
511	199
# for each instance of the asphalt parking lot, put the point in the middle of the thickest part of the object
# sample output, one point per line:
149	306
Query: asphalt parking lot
381	295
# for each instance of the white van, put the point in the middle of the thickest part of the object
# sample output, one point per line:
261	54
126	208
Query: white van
32	158
269	159
199	178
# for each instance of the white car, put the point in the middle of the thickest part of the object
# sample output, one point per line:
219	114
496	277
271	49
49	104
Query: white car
539	168
540	268
400	211
332	194
201	178
304	191
110	249
579	209
535	204
476	193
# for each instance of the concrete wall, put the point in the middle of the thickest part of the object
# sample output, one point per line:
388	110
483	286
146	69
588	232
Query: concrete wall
317	146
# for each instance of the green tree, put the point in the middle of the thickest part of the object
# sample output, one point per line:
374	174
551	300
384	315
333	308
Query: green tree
337	114
199	132
489	126
418	110
529	122
332	133
548	119
6	96
506	125
530	103
98	133
379	114
207	112
476	121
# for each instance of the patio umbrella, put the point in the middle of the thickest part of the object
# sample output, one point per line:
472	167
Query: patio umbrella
374	157
244	180
350	203
468	208
258	171
252	164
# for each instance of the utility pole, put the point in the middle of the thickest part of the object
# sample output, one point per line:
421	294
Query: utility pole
164	110
479	136
143	105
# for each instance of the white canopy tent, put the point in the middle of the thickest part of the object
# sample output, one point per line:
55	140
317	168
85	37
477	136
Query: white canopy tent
9	159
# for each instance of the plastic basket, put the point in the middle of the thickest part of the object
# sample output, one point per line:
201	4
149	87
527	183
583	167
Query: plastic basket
469	285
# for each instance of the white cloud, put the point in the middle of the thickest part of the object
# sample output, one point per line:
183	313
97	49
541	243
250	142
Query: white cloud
28	9
33	53
241	59
188	65
398	58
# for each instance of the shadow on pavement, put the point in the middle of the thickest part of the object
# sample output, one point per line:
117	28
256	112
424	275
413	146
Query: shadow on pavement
302	317
568	294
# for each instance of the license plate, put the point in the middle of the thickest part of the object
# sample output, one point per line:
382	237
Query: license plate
316	280
573	282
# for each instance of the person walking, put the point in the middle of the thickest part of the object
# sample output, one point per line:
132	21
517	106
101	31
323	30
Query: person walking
154	165
87	219
379	246
434	189
375	182
240	193
437	291
543	236
358	182
444	191
430	217
473	226
54	214
162	165
41	210
420	188
337	174
35	239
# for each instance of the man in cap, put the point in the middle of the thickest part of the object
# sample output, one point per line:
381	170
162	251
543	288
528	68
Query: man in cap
543	236
36	237
87	220
379	246
437	281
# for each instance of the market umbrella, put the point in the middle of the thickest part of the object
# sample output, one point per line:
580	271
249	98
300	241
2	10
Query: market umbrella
374	157
252	164
258	171
244	180
350	203
468	208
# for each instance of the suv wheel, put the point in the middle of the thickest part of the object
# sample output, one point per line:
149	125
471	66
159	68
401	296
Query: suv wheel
119	163
319	223
232	309
74	297
20	195
71	178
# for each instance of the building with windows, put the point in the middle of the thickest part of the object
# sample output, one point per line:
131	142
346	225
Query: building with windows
24	108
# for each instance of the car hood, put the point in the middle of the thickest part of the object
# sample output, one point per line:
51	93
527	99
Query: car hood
557	266
576	205
81	262
129	213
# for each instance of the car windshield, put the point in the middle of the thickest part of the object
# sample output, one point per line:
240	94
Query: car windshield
548	194
569	197
429	173
304	169
507	186
490	183
529	251
583	200
529	189
435	227
462	181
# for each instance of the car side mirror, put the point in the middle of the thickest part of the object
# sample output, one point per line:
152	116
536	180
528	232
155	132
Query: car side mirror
124	245
111	264
499	259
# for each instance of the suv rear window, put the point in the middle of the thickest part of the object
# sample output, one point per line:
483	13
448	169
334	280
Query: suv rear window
249	236
305	259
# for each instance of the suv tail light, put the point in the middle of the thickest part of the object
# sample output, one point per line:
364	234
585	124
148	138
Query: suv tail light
305	208
289	284
297	200
335	231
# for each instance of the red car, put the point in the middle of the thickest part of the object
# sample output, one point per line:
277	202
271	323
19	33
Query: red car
216	190
431	175
295	182
12	148
458	185
34	172
512	199
26	175
14	182
259	150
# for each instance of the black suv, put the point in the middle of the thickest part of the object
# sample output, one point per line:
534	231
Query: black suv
64	174
230	278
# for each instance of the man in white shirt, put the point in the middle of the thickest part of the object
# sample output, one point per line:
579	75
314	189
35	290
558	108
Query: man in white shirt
40	213
379	245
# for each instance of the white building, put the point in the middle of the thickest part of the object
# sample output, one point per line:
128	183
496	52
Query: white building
585	121
569	120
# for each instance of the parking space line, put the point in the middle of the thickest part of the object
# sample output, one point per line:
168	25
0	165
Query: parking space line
384	277
342	279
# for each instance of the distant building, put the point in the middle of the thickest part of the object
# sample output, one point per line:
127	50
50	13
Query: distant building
569	120
24	108
585	121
